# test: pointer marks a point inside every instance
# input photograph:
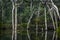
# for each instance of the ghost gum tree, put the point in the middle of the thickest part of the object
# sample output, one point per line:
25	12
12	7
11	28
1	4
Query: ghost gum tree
14	20
54	8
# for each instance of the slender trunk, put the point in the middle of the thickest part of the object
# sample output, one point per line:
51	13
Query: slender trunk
56	36
56	20
29	21
56	24
45	35
56	8
45	24
36	29
45	19
51	17
52	20
15	22
28	26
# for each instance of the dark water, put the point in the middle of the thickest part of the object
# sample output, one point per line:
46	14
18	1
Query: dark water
40	36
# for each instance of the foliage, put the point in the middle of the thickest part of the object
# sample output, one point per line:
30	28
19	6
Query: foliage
24	14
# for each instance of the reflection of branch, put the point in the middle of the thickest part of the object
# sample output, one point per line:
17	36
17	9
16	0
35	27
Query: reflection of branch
45	35
53	35
42	35
56	36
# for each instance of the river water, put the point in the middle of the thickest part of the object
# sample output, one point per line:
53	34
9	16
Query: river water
51	35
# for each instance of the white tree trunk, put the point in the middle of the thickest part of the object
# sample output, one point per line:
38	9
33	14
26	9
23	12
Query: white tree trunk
45	19
13	21
56	20
56	24
51	16
45	24
56	8
29	21
52	20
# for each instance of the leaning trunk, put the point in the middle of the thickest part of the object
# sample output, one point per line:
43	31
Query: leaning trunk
29	21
